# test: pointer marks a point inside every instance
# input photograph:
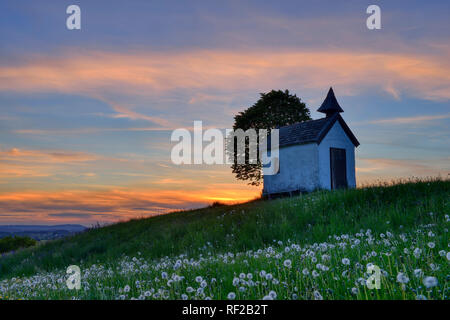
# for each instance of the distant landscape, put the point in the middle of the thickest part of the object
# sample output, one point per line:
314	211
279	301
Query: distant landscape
41	232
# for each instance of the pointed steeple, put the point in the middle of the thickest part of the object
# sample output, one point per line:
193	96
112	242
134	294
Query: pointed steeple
330	106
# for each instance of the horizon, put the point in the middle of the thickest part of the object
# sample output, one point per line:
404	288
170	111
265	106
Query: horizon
86	115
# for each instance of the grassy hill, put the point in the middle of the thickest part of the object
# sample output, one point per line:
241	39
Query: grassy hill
162	257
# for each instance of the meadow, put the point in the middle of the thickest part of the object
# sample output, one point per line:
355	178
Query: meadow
321	245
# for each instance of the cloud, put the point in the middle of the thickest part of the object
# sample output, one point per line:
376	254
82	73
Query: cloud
410	120
124	112
90	130
100	74
16	155
111	205
392	91
203	97
70	215
374	169
175	181
14	170
18	163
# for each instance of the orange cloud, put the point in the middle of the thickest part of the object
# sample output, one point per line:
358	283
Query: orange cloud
66	186
18	163
14	170
21	155
148	73
110	205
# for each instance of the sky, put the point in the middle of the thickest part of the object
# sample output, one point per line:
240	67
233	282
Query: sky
86	115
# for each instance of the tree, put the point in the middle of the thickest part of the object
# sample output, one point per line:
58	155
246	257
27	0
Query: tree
272	110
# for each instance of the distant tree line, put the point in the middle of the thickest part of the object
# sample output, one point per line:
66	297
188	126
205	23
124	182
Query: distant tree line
13	243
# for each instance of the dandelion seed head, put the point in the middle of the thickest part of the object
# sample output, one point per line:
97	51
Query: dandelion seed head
402	278
317	295
418	273
430	282
273	294
287	263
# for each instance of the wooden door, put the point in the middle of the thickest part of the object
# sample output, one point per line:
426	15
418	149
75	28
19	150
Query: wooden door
338	167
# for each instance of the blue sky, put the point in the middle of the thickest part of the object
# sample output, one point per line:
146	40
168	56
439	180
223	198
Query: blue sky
86	115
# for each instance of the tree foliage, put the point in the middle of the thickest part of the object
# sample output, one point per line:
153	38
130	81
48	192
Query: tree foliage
13	243
273	109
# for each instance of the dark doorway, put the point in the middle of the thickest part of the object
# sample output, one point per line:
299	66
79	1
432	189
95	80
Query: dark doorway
338	167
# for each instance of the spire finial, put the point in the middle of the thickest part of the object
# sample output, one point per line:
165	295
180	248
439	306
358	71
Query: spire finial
330	106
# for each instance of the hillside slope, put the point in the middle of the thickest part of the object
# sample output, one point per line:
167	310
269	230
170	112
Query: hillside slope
303	219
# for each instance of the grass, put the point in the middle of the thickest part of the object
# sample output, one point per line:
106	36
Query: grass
403	208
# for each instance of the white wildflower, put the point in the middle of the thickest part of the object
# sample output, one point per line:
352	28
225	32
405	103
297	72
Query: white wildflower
317	295
418	273
402	278
430	282
417	252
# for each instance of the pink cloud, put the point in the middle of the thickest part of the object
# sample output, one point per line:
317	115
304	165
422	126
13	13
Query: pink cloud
369	170
149	73
409	120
